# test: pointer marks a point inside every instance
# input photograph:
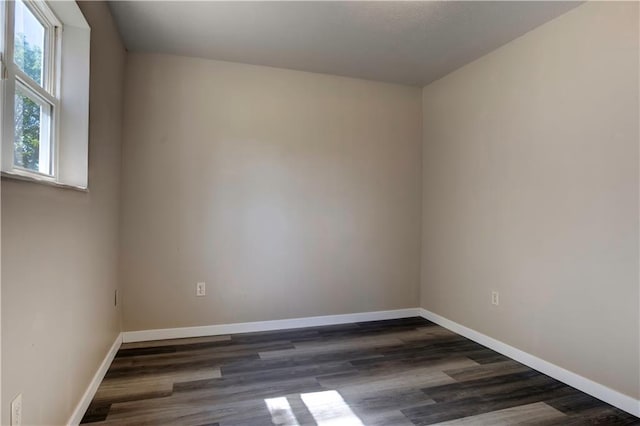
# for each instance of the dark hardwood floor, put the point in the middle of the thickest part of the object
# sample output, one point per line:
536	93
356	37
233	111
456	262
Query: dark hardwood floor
397	372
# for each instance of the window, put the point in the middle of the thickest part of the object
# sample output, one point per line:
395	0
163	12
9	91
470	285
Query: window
35	105
45	68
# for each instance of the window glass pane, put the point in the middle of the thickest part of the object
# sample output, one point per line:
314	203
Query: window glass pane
29	43
32	148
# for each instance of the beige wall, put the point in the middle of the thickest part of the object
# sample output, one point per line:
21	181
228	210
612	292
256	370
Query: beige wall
531	189
290	194
59	258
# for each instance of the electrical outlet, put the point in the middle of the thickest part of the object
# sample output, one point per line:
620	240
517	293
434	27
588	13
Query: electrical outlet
495	298
16	411
201	289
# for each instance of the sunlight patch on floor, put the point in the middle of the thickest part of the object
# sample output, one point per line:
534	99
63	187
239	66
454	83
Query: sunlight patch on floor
329	409
281	412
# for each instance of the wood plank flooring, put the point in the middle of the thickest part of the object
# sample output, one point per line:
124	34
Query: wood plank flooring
392	373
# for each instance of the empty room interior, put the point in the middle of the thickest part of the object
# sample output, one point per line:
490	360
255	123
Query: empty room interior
293	213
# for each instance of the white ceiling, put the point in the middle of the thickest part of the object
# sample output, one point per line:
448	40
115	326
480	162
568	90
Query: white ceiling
396	41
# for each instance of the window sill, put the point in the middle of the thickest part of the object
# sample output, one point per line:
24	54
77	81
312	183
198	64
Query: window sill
41	181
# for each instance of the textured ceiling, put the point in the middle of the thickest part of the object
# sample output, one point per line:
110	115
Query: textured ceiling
402	42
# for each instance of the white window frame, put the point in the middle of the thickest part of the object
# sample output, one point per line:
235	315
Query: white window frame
64	89
45	95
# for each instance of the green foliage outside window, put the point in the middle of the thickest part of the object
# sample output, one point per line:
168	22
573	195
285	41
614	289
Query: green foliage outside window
27	113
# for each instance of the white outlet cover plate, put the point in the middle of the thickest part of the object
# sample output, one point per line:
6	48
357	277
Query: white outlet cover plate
16	411
201	289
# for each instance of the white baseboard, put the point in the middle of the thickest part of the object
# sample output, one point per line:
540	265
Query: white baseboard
81	408
249	327
604	393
